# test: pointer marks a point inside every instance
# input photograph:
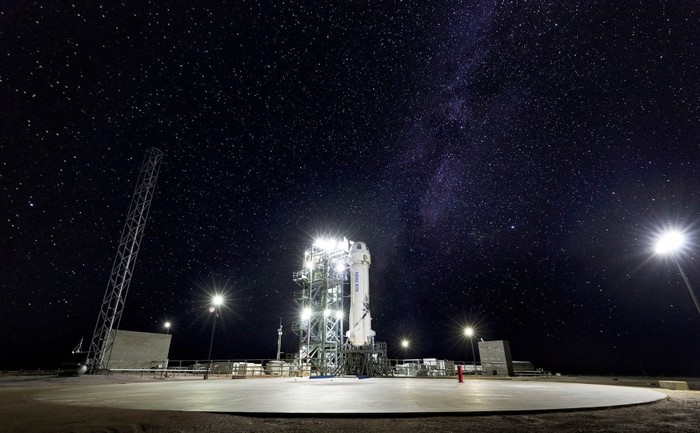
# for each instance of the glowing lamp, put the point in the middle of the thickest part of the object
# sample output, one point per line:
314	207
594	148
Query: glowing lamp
669	242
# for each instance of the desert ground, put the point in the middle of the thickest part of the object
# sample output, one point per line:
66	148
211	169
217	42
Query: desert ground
20	412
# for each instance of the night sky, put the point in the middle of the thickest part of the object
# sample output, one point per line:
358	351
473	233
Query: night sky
508	164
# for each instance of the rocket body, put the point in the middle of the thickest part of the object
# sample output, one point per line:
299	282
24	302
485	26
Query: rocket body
360	320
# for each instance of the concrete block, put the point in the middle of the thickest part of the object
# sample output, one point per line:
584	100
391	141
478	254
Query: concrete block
140	350
495	358
678	385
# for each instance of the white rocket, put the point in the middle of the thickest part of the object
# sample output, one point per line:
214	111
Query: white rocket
360	321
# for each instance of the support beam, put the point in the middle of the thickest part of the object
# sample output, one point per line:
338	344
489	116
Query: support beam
123	267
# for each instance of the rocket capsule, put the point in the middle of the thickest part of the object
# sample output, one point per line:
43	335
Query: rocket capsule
359	253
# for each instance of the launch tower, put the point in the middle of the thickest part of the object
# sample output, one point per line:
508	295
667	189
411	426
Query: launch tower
323	347
320	299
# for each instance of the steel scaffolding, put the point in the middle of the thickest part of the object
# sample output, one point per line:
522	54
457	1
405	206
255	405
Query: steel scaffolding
320	302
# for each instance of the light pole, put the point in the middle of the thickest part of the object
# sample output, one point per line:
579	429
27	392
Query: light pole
405	345
671	243
469	332
216	302
404	366
167	327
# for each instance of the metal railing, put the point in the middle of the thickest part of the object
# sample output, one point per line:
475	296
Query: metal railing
431	367
240	368
260	367
418	367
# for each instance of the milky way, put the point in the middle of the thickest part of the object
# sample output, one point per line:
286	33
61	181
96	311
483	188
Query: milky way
506	162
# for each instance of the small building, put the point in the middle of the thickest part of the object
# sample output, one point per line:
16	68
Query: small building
496	358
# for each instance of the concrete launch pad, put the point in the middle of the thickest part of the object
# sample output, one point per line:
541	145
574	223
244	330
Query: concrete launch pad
353	397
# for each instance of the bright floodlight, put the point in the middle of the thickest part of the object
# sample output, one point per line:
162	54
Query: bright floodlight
325	244
306	313
469	331
167	325
330	244
670	242
217	300
339	314
404	344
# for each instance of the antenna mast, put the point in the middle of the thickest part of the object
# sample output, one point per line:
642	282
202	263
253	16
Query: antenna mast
279	340
113	304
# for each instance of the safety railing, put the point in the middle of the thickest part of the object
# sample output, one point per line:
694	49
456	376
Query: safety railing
431	367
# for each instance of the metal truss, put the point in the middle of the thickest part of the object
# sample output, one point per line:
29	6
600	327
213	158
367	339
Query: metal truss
320	301
123	267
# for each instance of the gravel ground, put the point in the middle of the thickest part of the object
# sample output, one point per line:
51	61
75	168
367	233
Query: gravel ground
19	412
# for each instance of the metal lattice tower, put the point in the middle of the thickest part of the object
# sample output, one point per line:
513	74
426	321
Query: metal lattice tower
122	270
320	329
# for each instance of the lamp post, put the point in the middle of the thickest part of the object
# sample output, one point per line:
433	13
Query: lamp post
469	332
671	243
167	327
404	366
405	344
216	302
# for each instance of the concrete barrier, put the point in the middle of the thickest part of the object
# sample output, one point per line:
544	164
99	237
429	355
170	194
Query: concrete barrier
678	385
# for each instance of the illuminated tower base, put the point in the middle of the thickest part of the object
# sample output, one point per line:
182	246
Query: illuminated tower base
320	301
368	360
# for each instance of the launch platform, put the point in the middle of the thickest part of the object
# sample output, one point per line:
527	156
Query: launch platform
374	397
